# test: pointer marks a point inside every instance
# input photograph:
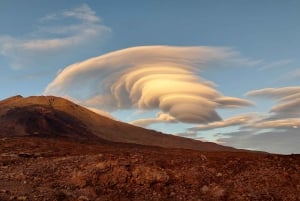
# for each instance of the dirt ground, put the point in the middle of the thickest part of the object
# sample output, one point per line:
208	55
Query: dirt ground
34	168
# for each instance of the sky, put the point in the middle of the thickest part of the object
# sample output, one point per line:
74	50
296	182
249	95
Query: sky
220	71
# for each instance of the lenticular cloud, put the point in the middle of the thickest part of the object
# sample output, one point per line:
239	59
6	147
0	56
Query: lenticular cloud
149	77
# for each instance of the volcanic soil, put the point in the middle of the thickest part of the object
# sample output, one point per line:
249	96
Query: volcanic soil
34	168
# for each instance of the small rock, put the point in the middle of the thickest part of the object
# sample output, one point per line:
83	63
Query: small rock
83	198
212	170
219	174
203	157
102	166
12	197
218	192
9	155
25	155
204	189
4	191
124	163
22	198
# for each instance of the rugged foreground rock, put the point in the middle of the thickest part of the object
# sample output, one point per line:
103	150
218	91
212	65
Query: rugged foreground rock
34	168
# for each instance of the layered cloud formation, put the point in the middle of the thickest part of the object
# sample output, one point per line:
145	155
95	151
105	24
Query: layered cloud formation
169	80
151	77
285	114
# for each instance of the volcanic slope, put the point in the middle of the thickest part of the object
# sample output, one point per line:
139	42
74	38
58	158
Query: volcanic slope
49	116
53	150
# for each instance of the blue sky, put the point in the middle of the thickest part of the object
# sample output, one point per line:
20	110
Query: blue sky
246	51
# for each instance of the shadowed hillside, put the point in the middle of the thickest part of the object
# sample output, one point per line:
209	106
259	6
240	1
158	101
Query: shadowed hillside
54	116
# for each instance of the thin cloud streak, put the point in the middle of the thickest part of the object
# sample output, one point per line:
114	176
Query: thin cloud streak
101	112
232	121
274	92
160	118
276	64
232	102
281	123
293	75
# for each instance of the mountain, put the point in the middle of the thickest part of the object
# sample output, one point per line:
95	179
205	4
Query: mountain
49	116
53	149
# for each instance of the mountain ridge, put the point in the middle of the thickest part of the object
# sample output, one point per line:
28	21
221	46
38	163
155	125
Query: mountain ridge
50	115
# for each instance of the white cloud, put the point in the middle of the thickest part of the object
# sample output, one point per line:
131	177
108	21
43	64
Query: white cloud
289	109
276	64
279	123
54	36
160	118
150	77
292	75
284	141
232	102
90	107
276	131
101	112
190	134
232	121
274	92
288	99
256	131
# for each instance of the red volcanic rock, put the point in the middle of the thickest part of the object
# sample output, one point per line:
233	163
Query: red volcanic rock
62	169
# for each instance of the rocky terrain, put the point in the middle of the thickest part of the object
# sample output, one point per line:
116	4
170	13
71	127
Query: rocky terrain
34	168
49	153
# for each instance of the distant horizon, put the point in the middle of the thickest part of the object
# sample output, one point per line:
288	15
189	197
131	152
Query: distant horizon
225	72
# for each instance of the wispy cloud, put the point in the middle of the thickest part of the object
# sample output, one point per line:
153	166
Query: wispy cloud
53	36
295	74
84	13
275	64
289	123
288	101
232	121
274	92
284	141
233	102
101	112
160	118
150	77
190	134
256	132
275	131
